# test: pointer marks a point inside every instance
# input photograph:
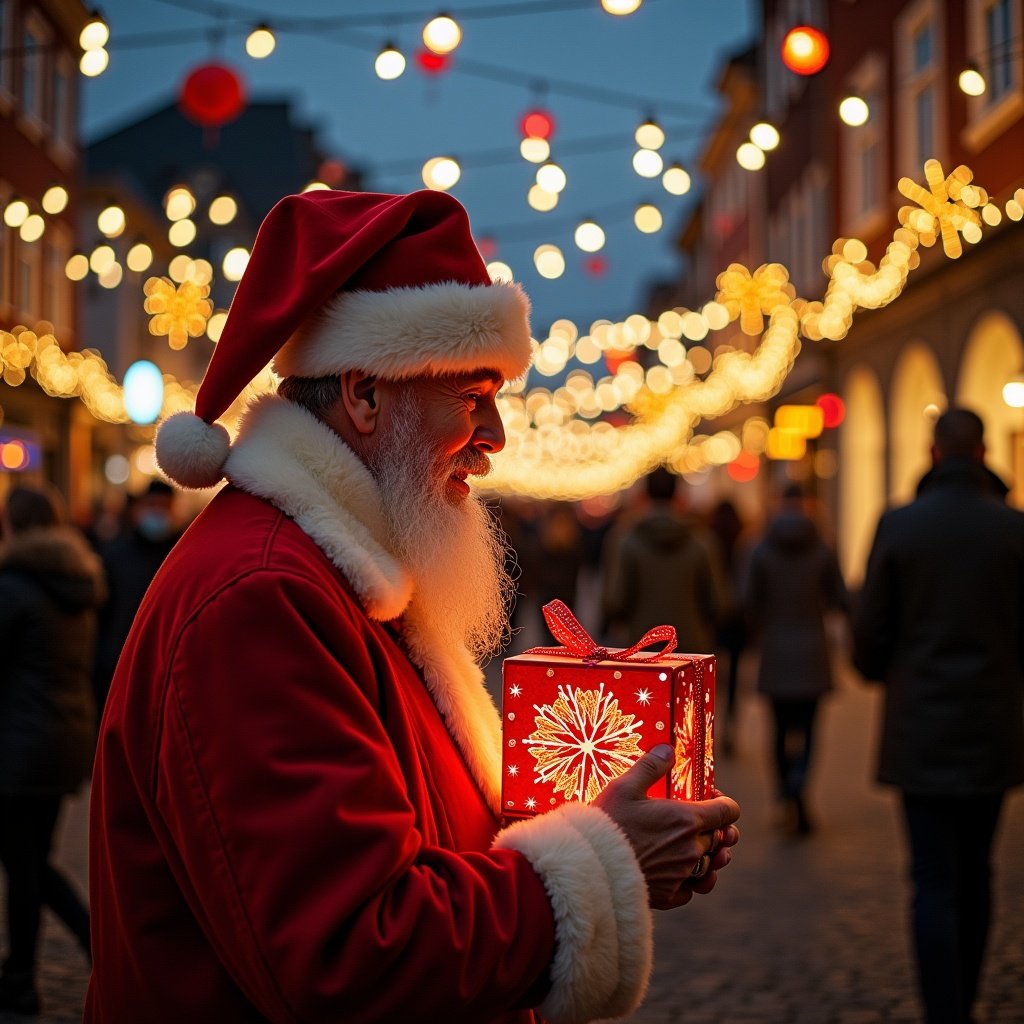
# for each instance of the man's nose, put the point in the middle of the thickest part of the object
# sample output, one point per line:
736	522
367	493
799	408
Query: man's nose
489	436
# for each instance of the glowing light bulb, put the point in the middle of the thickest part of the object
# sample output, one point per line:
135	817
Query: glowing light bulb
536	150
750	157
139	257
647	163
441	173
234	264
77	267
590	236
676	180
621	7
971	81
101	259
1013	392
854	111
764	135
179	203
16	213
551	177
499	271
111	221
650	135
541	199
260	42
32	228
390	63
549	261
181	232
442	34
93	62
55	199
647	218
94	34
223	210
805	50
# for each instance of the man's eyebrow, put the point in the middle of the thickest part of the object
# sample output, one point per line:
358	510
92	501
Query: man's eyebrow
492	376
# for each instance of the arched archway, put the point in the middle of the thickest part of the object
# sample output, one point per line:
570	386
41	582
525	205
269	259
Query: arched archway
861	470
916	398
993	354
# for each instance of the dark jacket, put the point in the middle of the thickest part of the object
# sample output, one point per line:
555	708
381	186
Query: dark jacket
667	570
50	586
941	621
793	580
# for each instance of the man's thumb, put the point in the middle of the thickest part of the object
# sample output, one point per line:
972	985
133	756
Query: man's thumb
651	767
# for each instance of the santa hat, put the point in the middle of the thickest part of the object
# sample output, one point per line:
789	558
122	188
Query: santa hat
391	285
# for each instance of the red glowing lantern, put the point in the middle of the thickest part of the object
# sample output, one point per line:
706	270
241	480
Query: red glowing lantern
433	63
537	124
744	467
596	266
805	50
488	247
833	409
212	95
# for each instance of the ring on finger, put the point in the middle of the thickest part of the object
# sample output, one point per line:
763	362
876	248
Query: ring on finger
701	868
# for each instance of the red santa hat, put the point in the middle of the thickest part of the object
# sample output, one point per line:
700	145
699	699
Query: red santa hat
389	284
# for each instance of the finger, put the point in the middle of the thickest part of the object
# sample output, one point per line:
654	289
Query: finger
654	765
730	836
720	812
703	885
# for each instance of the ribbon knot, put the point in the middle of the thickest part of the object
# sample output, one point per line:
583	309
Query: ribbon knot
578	643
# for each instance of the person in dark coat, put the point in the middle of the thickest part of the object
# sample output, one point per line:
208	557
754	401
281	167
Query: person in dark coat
50	586
130	562
793	581
665	569
940	621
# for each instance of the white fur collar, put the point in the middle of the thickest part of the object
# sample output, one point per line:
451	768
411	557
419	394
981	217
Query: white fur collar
288	457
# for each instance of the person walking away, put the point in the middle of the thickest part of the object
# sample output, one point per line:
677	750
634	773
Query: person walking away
50	586
130	562
794	580
731	639
666	569
940	621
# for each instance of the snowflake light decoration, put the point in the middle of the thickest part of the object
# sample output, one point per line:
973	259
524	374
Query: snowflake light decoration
583	741
749	296
948	202
178	312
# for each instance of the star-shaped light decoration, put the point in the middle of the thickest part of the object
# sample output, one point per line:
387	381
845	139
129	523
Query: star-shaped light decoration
750	296
948	203
643	696
179	312
515	690
513	769
531	803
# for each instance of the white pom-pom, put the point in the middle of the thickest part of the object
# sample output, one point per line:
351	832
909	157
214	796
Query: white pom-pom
191	451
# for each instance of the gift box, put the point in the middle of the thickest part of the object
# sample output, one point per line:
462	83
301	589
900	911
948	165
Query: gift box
577	716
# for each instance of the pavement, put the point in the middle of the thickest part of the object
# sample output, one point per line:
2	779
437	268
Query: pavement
798	931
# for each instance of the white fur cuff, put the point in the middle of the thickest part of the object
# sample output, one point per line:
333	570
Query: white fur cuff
603	927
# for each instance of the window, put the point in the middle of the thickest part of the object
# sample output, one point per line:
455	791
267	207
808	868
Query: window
993	44
863	152
27	281
920	77
60	102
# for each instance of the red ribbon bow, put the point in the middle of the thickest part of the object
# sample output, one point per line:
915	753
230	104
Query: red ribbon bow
578	643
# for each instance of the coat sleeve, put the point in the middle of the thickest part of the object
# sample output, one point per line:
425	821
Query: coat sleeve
296	845
876	608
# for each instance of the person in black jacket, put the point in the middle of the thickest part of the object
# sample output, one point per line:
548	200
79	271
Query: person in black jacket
50	586
941	621
793	581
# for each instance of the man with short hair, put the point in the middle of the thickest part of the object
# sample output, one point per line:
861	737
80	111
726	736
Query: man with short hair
296	802
941	620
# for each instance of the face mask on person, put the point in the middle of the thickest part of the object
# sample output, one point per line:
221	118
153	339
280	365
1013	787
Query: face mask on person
155	526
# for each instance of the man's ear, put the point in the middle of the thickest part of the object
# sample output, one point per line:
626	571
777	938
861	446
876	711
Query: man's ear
361	399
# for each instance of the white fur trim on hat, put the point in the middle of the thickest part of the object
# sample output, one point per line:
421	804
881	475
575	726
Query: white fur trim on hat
406	332
191	451
603	926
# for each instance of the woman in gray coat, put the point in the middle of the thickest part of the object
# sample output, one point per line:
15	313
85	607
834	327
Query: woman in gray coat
51	584
793	581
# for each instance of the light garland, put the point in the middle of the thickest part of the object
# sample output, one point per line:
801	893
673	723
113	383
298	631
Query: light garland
553	449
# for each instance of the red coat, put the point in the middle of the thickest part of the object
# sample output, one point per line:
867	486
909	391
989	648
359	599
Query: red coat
283	827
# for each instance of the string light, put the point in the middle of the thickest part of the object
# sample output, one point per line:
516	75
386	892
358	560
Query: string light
390	63
647	218
260	42
535	149
179	203
15	213
750	157
441	35
676	180
765	136
234	263
441	173
854	111
541	199
650	135
93	62
139	257
32	228
111	221
223	210
550	177
95	33
55	199
589	236
971	81
621	7
647	163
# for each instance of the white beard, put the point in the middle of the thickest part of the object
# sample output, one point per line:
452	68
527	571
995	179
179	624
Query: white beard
455	553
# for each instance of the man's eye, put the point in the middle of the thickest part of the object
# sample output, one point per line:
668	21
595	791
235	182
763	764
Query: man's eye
473	396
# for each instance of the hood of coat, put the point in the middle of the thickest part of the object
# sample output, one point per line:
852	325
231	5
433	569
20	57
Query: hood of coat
792	532
663	530
963	472
61	563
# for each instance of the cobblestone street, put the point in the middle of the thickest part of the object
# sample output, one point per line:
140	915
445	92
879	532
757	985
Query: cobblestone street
808	931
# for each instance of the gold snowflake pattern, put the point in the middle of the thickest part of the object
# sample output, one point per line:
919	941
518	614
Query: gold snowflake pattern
686	784
583	741
749	296
948	203
179	312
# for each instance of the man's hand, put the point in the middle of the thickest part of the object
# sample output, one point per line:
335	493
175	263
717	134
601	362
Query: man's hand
669	837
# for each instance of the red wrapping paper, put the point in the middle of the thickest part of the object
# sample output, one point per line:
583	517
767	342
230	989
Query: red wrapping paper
571	722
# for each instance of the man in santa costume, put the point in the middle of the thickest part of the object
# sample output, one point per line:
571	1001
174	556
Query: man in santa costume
295	804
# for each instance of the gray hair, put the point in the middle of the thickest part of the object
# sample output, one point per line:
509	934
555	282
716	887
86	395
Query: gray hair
315	394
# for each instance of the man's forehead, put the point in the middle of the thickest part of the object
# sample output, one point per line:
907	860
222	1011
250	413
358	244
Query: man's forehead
483	375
